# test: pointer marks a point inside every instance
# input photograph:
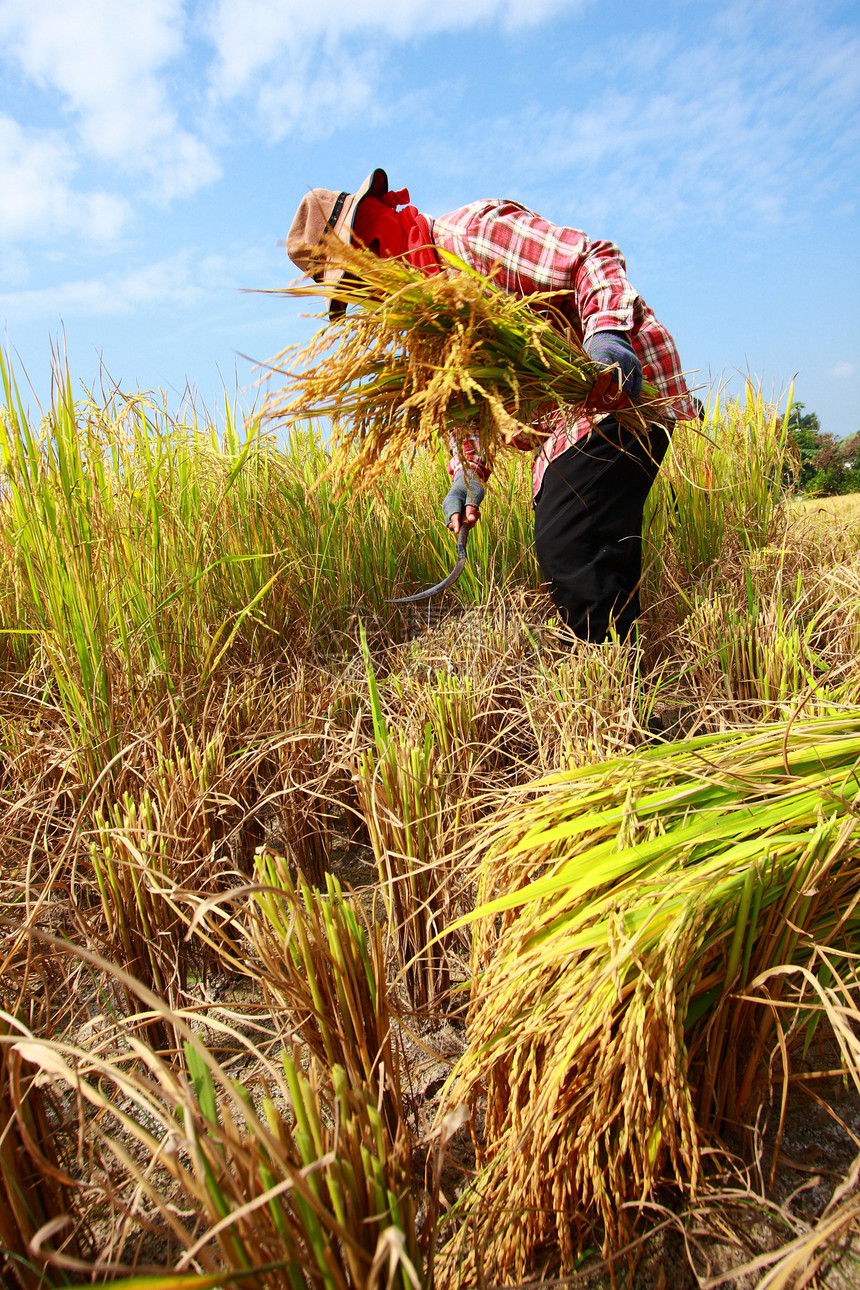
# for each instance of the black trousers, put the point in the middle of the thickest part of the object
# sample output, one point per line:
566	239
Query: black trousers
588	526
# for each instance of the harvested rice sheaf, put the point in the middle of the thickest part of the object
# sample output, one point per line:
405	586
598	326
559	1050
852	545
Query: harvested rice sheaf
628	915
414	357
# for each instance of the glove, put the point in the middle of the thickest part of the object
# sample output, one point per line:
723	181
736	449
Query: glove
613	349
466	490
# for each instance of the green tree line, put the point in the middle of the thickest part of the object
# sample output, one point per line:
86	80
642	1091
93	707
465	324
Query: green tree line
828	466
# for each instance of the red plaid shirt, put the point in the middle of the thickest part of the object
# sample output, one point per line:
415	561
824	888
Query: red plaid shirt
523	254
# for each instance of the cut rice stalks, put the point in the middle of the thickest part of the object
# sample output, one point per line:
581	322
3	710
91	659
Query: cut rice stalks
287	1175
623	911
327	969
416	356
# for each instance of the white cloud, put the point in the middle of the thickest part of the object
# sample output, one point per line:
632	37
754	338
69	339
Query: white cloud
107	60
312	64
251	34
842	371
319	94
37	199
177	282
126	74
706	132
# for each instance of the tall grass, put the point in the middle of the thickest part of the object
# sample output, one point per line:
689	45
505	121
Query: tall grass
142	551
721	489
188	720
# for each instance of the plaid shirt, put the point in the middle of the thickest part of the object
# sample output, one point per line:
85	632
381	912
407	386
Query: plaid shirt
523	254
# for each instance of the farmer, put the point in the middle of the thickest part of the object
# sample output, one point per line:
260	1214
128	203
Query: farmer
591	476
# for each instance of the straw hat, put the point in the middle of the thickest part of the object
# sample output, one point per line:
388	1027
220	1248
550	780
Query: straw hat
323	211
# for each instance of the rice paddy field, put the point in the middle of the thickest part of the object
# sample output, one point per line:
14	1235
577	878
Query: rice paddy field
345	944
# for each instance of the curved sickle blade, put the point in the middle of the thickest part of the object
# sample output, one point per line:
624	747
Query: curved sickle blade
440	586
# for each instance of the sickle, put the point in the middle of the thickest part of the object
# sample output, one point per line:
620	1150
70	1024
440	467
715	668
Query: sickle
446	582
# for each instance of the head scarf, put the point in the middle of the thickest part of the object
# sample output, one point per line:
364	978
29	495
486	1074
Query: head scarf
399	232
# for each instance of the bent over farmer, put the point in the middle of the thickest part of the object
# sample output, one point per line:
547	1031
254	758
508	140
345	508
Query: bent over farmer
591	476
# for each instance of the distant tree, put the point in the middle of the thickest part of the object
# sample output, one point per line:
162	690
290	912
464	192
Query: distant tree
837	467
826	466
805	433
851	462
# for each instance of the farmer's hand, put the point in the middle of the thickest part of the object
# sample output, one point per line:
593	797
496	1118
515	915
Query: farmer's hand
622	381
462	502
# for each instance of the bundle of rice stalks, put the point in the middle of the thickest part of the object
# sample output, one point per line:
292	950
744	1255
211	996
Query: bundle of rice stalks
418	355
622	912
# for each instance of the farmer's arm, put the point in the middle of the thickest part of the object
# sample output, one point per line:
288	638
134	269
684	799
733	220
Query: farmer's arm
523	254
461	505
603	295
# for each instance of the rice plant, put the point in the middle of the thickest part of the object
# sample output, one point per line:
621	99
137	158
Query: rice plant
293	768
720	491
135	868
756	656
328	971
402	790
585	703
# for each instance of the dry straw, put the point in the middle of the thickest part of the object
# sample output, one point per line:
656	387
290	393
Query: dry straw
415	356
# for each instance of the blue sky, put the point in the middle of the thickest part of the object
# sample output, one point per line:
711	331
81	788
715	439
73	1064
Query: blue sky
152	153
